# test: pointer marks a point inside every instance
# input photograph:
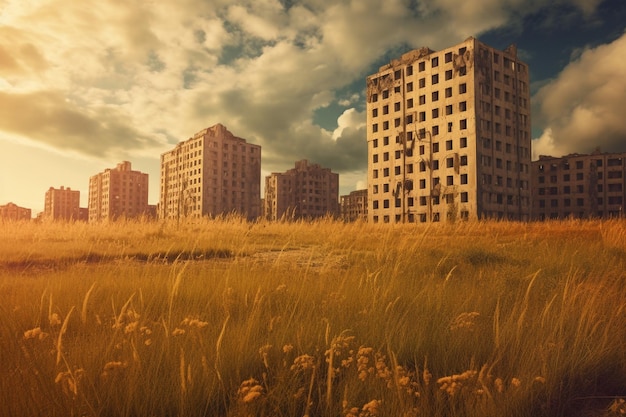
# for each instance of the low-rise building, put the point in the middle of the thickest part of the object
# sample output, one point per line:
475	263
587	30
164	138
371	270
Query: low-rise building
62	204
579	185
305	192
354	206
12	211
117	193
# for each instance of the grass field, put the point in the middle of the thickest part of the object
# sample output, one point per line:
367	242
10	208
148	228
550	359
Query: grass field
229	318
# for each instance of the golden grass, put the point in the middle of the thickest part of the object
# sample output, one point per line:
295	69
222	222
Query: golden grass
229	318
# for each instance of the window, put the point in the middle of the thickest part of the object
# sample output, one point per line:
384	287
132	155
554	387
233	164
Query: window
385	172
409	87
385	156
421	66
386	109
409	70
422	116
397	170
449	127
422	184
375	158
449	109
385	140
435	113
396	106
435	130
397	122
398	154
435	62
435	147
463	106
375	204
409	103
375	143
463	143
385	94
463	178
449	145
386	125
449	163
374	98
422	82
435	79
464	197
435	95
448	74
463	124
449	180
422	99
462	88
385	203
375	113
375	127
448	57
448	92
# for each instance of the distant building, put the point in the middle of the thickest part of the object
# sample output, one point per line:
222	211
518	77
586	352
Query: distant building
62	204
304	192
448	136
354	206
118	193
211	174
579	185
11	211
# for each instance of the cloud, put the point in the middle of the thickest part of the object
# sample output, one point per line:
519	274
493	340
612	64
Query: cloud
46	116
583	108
105	77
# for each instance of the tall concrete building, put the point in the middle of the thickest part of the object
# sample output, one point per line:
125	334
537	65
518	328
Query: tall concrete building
449	136
211	174
118	193
12	212
579	185
62	204
305	192
354	206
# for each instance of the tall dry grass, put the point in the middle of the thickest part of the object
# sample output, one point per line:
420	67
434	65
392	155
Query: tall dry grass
225	317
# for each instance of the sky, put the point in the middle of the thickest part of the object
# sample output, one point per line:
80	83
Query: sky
87	84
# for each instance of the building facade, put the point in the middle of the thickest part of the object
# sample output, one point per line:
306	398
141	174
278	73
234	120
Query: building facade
579	185
354	206
13	212
448	136
307	191
117	193
211	174
62	204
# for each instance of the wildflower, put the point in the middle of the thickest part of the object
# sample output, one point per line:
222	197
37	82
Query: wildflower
499	385
55	319
177	332
35	333
364	368
131	327
426	376
352	412
539	379
372	408
264	351
287	349
303	363
453	384
68	381
465	321
112	367
249	390
194	323
516	382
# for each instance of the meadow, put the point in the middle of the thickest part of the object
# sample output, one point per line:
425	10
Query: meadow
236	319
